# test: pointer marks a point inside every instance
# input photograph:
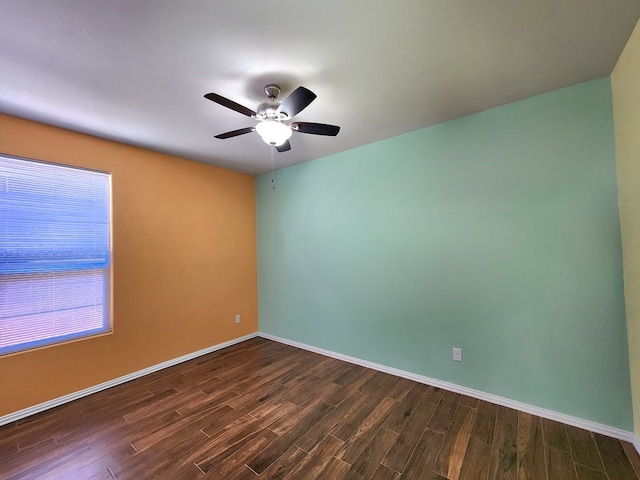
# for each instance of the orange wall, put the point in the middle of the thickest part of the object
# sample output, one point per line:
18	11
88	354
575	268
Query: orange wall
184	262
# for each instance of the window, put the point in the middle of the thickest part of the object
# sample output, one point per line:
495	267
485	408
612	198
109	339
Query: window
54	253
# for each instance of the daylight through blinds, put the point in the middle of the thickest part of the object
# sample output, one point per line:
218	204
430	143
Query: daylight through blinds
54	253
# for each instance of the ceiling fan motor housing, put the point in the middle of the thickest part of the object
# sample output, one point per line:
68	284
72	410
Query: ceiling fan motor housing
269	111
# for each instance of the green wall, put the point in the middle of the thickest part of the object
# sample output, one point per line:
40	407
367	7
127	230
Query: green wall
497	233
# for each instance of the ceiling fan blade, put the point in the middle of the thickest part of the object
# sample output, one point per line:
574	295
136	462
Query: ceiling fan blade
286	146
316	128
225	102
235	133
297	101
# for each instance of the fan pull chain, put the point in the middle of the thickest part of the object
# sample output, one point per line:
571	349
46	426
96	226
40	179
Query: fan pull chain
273	180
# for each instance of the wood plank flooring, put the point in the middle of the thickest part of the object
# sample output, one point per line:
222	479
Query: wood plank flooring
263	410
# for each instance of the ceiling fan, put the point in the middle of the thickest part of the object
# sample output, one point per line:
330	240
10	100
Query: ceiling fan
274	126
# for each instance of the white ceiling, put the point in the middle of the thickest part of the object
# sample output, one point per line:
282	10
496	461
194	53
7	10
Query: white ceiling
136	70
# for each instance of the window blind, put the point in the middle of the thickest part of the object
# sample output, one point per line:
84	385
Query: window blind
54	253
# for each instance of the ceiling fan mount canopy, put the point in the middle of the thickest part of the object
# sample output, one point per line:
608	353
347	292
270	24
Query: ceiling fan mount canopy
272	91
272	116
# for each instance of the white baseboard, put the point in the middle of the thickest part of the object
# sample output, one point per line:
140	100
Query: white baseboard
636	443
524	407
550	414
12	417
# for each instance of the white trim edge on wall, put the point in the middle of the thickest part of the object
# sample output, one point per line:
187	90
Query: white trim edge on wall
524	407
550	414
636	443
12	417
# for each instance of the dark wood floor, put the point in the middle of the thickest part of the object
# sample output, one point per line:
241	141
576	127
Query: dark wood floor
265	410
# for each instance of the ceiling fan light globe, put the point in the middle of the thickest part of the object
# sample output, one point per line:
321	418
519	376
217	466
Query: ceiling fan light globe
273	132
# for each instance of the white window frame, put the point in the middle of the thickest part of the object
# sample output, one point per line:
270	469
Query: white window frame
55	253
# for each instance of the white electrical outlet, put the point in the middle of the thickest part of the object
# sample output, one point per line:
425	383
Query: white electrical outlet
457	354
238	318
